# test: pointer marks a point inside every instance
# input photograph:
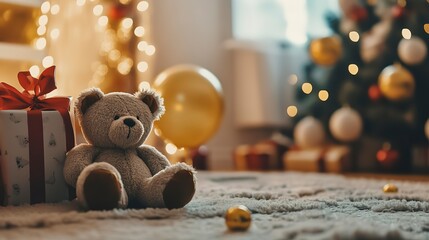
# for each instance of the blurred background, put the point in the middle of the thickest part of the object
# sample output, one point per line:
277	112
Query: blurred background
328	86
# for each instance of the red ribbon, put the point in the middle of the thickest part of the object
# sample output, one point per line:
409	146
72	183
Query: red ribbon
33	96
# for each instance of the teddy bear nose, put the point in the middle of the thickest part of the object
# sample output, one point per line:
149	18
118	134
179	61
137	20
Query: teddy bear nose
129	122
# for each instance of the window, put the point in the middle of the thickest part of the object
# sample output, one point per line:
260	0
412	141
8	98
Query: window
290	20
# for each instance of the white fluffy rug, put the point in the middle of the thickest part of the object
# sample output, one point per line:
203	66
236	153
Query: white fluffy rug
284	206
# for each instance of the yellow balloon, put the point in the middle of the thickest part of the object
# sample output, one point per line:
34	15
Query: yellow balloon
193	102
326	51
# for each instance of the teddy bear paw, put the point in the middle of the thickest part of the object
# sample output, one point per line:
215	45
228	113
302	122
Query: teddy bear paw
179	189
102	190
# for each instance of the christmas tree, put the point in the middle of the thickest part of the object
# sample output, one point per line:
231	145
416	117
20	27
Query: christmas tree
372	79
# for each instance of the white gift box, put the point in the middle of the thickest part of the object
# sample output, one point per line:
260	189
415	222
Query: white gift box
33	146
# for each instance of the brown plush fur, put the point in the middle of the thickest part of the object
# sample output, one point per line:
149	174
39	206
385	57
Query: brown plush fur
115	126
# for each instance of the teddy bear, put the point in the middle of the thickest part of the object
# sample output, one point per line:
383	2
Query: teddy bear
114	169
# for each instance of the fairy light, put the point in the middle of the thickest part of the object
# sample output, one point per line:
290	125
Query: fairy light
47	61
114	55
150	50
170	148
34	71
323	95
139	31
127	23
142	66
292	111
144	85
353	69
402	3
141	46
45	7
406	33
293	79
307	88
142	6
43	20
97	10
41	43
124	66
103	21
41	30
80	3
354	36
55	9
55	33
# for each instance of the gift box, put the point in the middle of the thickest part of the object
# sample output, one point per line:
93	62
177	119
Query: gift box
34	142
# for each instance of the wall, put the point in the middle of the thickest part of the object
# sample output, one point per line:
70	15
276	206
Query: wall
194	31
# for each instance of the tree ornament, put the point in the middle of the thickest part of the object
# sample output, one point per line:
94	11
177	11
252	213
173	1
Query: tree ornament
412	51
390	188
387	157
238	218
427	128
309	133
118	11
346	124
374	92
326	51
396	83
398	12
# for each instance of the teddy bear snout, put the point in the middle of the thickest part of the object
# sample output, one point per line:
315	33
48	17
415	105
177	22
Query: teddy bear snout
129	122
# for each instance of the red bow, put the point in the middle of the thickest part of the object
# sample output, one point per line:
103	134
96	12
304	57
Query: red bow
33	95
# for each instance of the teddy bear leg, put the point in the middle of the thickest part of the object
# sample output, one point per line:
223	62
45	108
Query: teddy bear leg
172	187
99	187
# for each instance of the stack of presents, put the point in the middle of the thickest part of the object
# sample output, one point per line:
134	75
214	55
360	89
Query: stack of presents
279	152
36	132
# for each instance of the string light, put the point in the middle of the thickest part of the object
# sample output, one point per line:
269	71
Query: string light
80	3
142	66
43	20
353	69
34	71
55	33
426	28
292	111
323	95
127	23
103	21
170	148
354	36
97	10
55	9
142	6
45	7
307	88
139	31
47	61
406	33
150	50
144	85
124	67
141	46
41	30
40	43
293	79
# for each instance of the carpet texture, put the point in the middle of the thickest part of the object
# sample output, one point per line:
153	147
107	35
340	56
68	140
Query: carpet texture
283	205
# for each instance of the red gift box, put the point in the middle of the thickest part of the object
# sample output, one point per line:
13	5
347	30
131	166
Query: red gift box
36	132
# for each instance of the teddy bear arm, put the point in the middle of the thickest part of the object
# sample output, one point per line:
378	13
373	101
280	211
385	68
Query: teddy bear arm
76	160
154	160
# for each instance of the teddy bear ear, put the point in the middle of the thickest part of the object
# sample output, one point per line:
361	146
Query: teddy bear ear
153	100
87	98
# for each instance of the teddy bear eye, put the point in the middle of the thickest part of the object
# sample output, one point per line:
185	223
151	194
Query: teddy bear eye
116	117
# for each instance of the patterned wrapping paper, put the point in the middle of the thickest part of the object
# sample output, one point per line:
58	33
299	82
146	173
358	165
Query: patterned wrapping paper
26	176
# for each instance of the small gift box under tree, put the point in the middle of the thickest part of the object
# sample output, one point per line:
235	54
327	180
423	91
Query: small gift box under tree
35	134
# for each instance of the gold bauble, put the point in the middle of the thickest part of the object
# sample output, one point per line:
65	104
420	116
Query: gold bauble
193	102
238	218
390	188
396	83
326	51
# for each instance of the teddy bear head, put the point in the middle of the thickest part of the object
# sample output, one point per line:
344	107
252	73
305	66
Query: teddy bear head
120	120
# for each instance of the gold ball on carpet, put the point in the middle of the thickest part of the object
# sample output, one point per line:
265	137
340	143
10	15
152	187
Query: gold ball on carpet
326	51
238	218
390	188
396	83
